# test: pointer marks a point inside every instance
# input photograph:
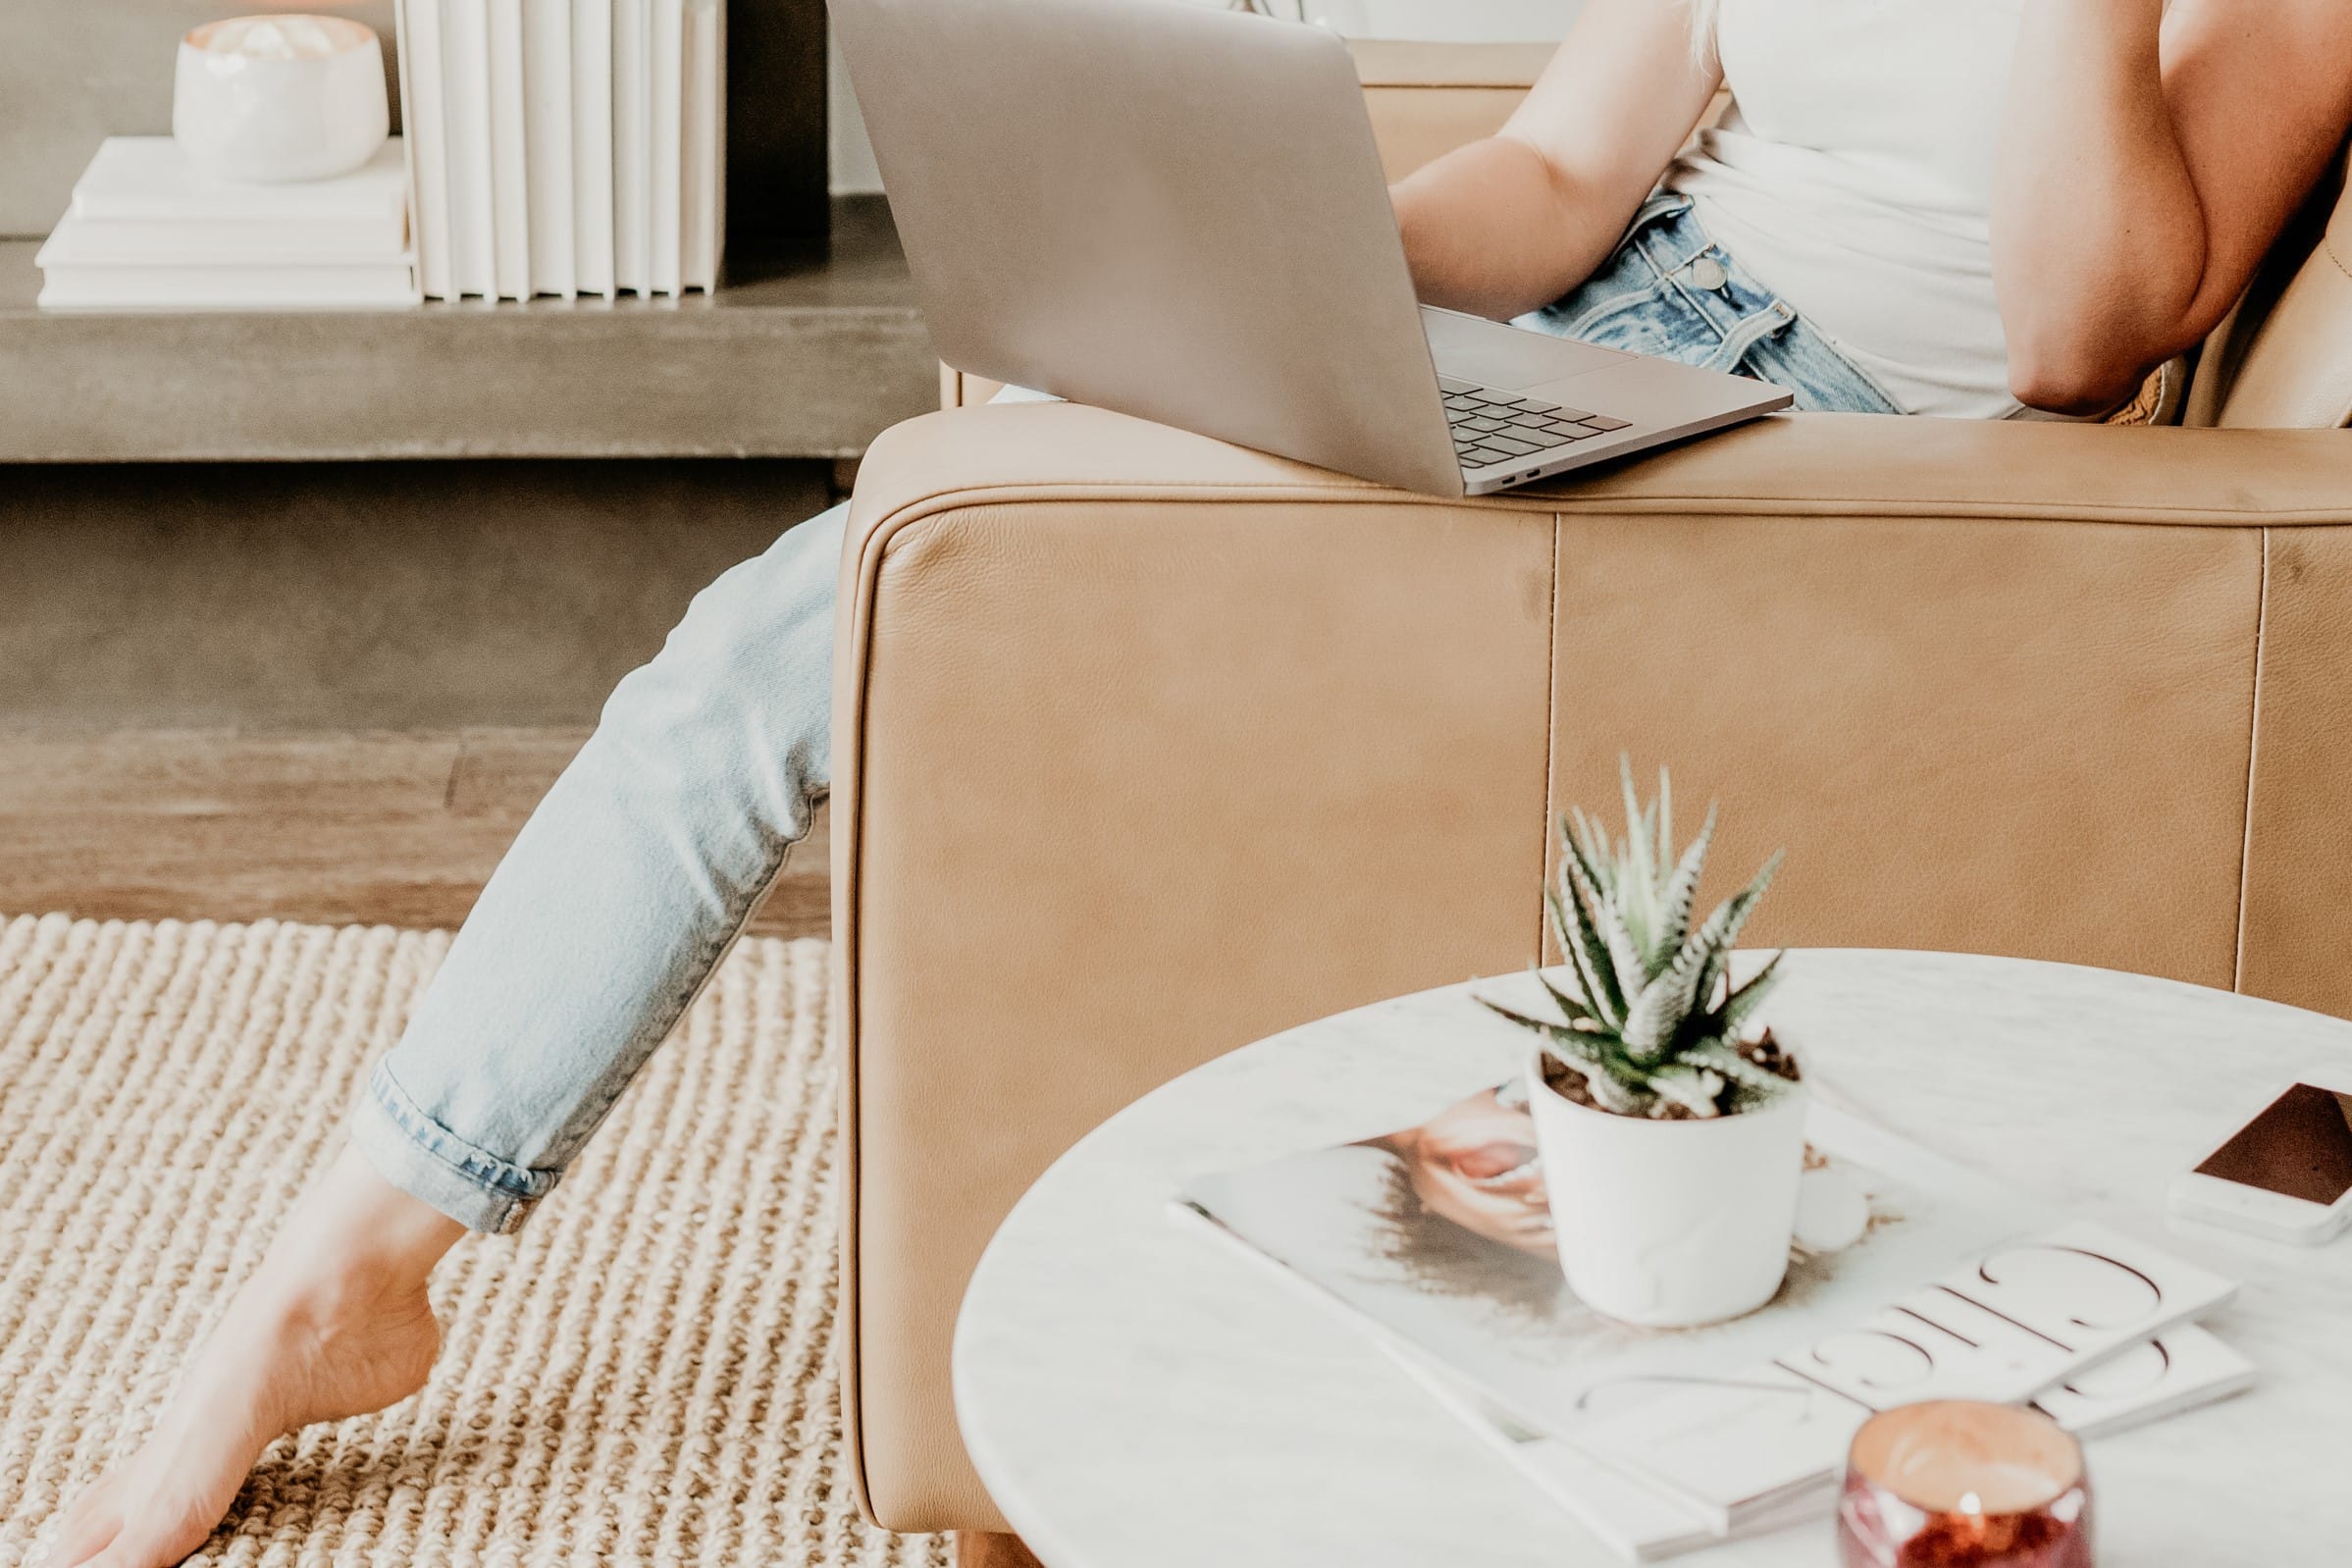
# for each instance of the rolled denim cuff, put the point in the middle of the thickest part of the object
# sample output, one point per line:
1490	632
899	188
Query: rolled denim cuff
435	1166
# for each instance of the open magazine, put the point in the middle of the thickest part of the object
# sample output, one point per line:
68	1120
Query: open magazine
1437	1240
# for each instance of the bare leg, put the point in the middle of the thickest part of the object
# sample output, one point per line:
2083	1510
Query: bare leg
335	1323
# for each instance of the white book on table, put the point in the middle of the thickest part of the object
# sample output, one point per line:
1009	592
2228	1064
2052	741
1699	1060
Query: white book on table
2179	1369
510	196
548	145
150	178
591	145
2033	1313
665	227
97	242
416	26
631	144
334	287
704	187
141	201
1628	1516
465	83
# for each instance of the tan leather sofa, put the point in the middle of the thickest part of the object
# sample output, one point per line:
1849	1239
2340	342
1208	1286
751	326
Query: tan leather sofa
1147	746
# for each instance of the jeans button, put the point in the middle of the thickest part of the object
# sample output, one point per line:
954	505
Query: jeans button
1708	272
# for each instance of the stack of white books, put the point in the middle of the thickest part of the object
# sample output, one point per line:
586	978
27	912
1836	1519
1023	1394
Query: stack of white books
565	147
146	229
1661	1442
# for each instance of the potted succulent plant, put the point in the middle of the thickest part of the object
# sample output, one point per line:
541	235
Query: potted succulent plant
1671	1143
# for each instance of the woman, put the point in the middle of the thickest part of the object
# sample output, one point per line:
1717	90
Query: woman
1957	207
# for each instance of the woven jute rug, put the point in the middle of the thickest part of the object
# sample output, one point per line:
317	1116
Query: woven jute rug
643	1374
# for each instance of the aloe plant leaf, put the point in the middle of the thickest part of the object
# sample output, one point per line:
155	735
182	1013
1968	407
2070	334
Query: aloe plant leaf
1733	913
1586	841
1721	1058
1638	831
1695	1089
1638	882
1681	889
1739	1006
1657	1015
1665	819
1610	1093
1586	1054
1625	964
1571	1006
1589	1046
1613	1088
1587	895
1588	956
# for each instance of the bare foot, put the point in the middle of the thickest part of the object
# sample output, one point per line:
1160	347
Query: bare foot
335	1323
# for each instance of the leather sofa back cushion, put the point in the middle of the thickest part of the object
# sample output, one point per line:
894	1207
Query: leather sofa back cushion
1428	99
2283	359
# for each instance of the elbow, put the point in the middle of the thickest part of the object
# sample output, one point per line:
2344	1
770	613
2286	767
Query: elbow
2081	352
2076	379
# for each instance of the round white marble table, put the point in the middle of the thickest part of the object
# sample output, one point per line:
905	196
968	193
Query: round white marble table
1136	1396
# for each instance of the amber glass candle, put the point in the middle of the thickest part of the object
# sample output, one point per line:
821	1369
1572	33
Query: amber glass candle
1956	1483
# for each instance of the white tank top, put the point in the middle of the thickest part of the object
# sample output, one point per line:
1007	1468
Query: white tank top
1853	177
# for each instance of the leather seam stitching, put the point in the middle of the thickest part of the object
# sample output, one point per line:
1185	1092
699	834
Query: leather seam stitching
1906	508
1551	712
2336	260
2245	857
858	604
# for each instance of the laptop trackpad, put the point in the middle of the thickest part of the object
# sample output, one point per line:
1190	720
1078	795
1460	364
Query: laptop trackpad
1474	349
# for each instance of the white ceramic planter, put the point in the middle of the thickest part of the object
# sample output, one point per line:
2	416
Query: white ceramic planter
1670	1224
309	112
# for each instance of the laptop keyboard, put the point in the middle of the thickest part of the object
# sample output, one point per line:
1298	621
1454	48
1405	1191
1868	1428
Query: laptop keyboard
1491	426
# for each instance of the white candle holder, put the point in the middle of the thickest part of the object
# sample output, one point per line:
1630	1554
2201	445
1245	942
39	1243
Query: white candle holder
269	100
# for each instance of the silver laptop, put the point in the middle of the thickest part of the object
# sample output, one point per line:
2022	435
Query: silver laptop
1179	213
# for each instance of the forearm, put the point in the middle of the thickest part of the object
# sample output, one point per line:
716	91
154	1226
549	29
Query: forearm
1493	229
1511	223
2098	236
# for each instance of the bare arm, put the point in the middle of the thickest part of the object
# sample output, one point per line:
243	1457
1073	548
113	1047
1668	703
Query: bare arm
1515	220
2147	162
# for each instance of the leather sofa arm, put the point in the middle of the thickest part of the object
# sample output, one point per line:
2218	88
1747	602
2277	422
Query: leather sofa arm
1819	464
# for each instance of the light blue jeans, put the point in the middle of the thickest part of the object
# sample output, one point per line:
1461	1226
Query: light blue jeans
639	868
1670	291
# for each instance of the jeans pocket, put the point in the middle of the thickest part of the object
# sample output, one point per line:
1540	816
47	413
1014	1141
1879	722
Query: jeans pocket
1824	381
1625	303
1647	317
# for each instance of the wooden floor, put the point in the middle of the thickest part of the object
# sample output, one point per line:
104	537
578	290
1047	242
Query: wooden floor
397	829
